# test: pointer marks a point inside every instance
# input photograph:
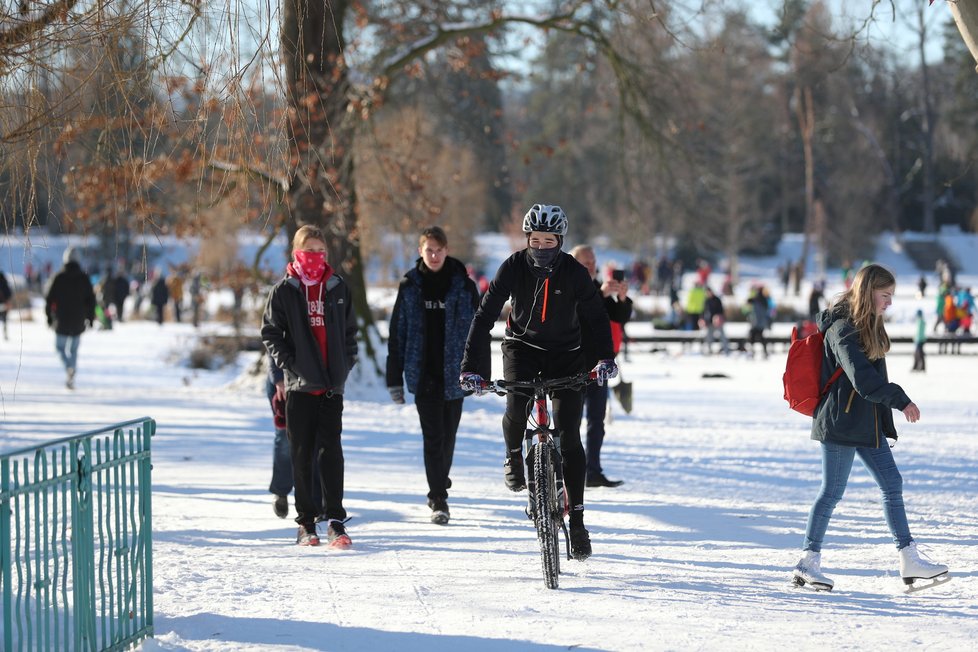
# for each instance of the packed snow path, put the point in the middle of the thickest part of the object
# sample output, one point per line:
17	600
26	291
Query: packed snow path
693	552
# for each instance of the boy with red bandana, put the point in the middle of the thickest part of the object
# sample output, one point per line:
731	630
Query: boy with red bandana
310	331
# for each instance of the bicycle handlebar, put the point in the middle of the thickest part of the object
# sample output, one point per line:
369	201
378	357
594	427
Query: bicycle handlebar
544	385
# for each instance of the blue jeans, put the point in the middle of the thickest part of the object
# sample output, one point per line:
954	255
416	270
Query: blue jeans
67	346
281	484
836	465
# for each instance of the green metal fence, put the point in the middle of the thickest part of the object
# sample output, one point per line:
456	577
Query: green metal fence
76	541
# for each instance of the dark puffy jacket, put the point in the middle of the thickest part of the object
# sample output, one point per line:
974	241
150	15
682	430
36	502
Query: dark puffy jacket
287	336
858	408
545	311
70	301
405	345
5	292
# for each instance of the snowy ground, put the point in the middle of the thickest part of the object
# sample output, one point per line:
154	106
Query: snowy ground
693	552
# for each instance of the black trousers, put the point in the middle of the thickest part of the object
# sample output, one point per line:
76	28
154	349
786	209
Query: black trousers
757	335
314	424
439	427
522	362
596	404
919	363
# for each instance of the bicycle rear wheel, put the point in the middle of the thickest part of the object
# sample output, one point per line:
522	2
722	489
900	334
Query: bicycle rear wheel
548	515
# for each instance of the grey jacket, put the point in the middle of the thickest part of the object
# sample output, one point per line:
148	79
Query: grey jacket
858	408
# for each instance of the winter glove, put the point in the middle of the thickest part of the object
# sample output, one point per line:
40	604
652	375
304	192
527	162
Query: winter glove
604	370
278	411
397	394
474	383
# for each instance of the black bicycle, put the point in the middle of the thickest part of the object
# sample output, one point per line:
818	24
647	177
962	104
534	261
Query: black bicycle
547	504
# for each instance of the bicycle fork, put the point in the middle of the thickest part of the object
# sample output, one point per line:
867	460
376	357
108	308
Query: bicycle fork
542	434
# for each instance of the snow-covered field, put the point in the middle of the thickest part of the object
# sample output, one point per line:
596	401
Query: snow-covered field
693	552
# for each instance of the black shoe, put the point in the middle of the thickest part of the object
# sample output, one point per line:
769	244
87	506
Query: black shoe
439	511
513	468
599	480
281	506
580	542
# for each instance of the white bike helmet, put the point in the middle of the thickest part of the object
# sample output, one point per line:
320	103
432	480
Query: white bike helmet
545	219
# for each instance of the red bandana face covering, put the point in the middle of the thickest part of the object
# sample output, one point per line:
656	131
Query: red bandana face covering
311	265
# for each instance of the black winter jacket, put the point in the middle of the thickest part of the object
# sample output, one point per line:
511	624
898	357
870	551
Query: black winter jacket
546	311
287	336
70	301
858	408
618	311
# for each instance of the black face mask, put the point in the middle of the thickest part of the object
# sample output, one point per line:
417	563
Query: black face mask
542	258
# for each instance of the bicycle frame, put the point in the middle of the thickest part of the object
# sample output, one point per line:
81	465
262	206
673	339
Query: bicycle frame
547	498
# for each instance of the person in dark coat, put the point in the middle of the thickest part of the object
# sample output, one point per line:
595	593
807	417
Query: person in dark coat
6	295
120	290
549	292
614	295
435	303
70	306
856	417
159	296
309	329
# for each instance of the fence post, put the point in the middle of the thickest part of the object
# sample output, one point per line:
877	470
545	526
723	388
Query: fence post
83	556
5	559
146	503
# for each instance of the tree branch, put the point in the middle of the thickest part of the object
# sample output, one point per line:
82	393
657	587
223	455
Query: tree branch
21	33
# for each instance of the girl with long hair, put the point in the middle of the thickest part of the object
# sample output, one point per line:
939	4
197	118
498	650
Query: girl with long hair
855	418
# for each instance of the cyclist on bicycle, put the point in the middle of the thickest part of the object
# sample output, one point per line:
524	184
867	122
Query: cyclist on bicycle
548	292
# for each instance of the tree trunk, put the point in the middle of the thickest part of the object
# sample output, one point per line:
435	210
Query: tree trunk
321	189
927	125
965	14
806	123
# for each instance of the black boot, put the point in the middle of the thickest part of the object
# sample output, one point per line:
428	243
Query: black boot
580	542
513	469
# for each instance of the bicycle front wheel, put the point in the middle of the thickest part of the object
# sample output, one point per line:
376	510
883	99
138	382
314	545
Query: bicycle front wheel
548	515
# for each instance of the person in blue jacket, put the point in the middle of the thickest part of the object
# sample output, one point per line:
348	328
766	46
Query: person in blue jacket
856	417
435	303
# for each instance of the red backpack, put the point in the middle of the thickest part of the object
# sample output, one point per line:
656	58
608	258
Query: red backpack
803	372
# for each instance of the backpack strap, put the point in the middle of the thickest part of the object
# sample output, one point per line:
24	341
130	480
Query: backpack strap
834	377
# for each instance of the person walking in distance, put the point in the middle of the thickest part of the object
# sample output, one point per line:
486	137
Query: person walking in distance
6	295
919	339
549	293
855	418
435	303
309	330
70	307
159	295
614	293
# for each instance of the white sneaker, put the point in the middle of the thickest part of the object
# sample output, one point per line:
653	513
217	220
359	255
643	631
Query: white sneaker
913	567
809	571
